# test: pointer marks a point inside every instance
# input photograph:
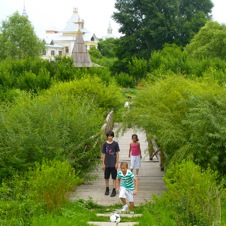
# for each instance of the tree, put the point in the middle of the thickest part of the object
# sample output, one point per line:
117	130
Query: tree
148	25
209	42
187	117
18	39
107	47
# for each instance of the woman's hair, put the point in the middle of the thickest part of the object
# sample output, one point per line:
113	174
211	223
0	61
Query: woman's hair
135	135
110	133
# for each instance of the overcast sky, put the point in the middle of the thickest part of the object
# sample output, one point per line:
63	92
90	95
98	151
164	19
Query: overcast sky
96	13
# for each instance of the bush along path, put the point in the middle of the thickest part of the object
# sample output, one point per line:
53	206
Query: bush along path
150	178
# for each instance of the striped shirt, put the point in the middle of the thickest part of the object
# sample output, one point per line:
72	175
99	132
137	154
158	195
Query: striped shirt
127	181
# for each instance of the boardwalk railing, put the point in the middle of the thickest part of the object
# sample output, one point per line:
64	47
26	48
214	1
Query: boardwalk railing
109	123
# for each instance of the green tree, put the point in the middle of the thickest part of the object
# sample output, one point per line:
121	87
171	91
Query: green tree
107	47
209	42
18	39
187	117
148	25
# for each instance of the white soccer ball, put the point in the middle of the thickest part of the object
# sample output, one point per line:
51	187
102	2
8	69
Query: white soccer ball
115	218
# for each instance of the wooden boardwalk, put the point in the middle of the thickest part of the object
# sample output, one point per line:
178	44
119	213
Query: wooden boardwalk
151	181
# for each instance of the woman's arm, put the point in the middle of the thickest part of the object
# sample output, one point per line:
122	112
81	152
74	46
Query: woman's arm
129	150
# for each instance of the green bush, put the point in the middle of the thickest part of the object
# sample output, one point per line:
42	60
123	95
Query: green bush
41	190
62	122
51	182
192	197
125	80
187	117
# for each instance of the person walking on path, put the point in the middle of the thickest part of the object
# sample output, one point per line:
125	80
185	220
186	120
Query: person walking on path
135	155
127	186
110	158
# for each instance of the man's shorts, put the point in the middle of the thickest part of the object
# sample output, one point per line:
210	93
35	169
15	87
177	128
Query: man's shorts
126	194
110	171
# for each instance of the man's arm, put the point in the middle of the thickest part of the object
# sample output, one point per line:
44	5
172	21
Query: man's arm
135	186
103	161
117	160
118	185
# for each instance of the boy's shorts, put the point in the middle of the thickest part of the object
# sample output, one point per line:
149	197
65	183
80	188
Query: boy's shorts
110	171
135	162
126	194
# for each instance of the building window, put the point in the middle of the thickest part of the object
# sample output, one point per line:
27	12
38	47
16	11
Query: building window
66	49
44	52
60	53
52	52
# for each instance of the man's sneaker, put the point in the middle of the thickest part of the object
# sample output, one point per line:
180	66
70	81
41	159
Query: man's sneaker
107	191
124	208
113	194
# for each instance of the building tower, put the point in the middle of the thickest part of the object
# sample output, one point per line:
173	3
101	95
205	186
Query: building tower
24	12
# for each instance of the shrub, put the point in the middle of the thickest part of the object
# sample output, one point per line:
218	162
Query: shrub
51	182
192	197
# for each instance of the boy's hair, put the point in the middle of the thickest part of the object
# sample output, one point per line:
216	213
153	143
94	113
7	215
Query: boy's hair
135	135
110	133
124	164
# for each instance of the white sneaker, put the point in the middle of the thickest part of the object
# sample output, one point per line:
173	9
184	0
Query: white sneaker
124	208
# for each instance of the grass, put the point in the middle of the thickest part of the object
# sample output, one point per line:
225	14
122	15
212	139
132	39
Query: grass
78	213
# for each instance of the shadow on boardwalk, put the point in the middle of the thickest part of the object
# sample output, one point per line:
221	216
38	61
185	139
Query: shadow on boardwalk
151	181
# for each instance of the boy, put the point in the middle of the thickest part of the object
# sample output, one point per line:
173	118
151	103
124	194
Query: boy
110	151
128	187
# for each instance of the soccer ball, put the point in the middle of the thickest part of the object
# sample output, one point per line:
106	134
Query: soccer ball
115	218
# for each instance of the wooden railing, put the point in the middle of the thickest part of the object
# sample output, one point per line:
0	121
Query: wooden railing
155	150
108	124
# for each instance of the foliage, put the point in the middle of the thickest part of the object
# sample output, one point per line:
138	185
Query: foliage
17	38
137	69
29	74
39	191
168	106
16	204
169	59
192	197
209	42
59	123
107	47
74	213
64	69
95	53
147	26
173	60
125	80
51	182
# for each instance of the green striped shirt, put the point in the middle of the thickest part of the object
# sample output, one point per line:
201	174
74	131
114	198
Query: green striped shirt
127	181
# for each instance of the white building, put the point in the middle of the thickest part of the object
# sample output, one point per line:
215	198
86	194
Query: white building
61	43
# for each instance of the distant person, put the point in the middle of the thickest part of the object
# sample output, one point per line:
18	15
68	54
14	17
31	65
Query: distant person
135	155
110	157
127	186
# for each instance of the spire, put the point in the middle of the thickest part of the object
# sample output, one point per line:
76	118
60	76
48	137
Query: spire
79	24
24	13
80	53
75	10
109	29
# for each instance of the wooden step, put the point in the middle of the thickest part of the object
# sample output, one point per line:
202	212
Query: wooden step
121	215
112	224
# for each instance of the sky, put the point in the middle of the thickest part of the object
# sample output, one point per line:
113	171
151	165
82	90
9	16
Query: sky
96	13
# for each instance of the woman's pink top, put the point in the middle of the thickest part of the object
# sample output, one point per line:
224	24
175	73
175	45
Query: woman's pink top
135	150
